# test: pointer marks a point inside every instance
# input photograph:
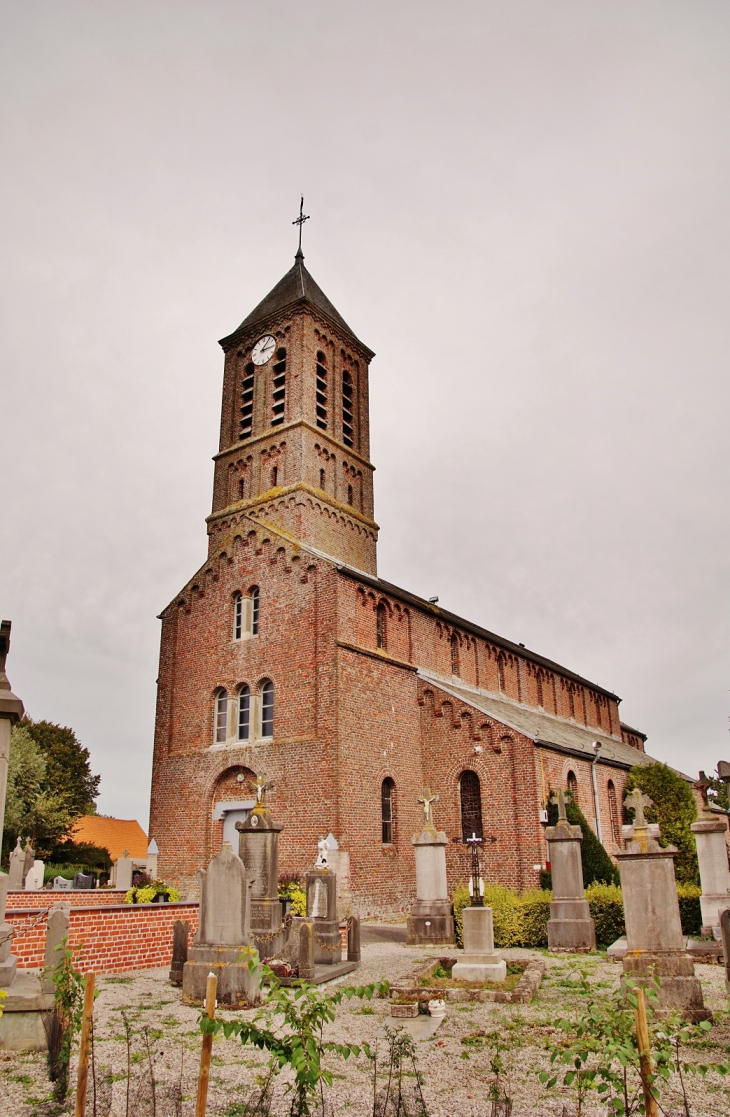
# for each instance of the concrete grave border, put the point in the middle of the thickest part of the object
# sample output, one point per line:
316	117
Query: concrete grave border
524	992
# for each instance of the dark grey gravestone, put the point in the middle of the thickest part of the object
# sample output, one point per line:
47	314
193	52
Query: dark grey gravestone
82	881
179	951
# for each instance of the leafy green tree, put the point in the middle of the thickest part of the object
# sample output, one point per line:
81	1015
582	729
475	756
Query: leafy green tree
597	865
674	809
68	770
717	793
31	809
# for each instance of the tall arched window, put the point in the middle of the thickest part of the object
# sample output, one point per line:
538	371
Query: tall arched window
278	389
454	654
244	713
323	480
572	784
382	624
267	709
613	812
349	495
347	409
237	616
386	809
221	716
322	392
470	796
540	701
246	424
253	593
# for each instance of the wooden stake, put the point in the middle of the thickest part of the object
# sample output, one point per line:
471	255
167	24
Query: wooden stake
642	1038
82	1079
207	1048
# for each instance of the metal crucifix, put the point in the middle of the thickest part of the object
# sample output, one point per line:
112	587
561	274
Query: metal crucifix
477	900
300	222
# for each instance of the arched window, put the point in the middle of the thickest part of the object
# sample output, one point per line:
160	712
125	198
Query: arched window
323	480
470	796
244	713
274	476
382	625
278	389
349	495
538	680
253	593
322	392
613	812
267	709
572	784
241	488
246	424
347	409
237	616
221	717
386	807
454	654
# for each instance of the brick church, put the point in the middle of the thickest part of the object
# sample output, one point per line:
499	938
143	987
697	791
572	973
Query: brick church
287	653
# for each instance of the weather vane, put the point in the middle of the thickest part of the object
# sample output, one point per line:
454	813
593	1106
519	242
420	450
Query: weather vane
300	221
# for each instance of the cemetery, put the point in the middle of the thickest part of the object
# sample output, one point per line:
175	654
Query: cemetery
125	999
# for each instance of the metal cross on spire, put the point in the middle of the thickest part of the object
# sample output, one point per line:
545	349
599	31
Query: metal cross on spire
300	221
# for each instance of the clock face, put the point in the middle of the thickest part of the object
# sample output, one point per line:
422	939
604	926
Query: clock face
263	349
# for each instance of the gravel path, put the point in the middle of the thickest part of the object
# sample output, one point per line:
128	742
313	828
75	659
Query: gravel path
456	1076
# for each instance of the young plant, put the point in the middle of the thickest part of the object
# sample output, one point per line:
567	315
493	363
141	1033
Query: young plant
393	1099
65	1019
298	1042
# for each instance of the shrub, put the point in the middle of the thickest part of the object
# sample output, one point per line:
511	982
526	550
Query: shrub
597	865
144	893
291	887
689	908
607	912
674	809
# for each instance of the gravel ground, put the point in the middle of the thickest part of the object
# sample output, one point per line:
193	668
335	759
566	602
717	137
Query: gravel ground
456	1076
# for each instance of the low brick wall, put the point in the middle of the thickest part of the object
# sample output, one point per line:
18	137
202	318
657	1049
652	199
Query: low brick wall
114	938
77	897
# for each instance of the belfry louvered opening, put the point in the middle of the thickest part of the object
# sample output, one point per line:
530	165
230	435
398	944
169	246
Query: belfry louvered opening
246	424
278	386
322	391
347	409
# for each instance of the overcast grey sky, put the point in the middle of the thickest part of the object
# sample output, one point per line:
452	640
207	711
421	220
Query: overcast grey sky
522	207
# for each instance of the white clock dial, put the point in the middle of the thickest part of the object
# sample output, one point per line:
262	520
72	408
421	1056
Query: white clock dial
263	349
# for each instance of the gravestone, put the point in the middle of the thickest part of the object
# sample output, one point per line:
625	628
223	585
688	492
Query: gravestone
321	886
353	939
103	880
62	884
180	931
82	881
654	937
480	961
710	833
430	921
56	932
151	863
259	839
17	864
725	929
223	942
8	961
338	862
570	927
34	876
28	859
123	871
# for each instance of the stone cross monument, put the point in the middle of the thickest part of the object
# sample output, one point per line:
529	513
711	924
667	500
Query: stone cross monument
430	920
11	710
570	927
710	838
655	941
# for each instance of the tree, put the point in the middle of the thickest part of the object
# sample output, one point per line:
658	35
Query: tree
68	770
597	865
674	809
717	793
31	809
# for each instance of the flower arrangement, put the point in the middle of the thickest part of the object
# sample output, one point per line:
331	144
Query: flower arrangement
290	887
145	893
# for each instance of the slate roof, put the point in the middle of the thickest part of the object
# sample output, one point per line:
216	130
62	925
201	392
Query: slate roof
297	286
545	729
114	834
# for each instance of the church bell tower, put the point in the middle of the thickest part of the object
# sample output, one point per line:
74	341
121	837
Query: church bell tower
294	439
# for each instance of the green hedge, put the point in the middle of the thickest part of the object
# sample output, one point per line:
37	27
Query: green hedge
521	920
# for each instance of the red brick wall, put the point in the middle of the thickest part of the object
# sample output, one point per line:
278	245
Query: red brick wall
77	897
114	939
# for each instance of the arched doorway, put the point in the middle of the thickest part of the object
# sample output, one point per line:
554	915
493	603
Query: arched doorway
232	803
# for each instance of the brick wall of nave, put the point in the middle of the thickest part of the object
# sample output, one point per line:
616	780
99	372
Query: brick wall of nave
554	772
505	766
